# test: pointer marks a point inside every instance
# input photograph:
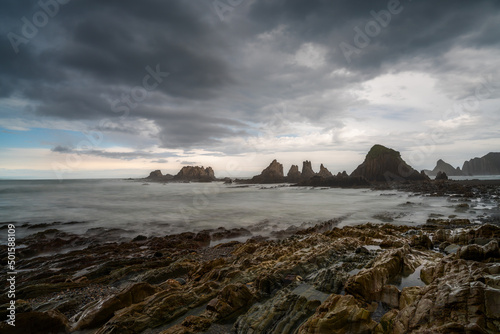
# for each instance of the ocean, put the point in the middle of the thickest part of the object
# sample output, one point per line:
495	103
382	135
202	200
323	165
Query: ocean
128	208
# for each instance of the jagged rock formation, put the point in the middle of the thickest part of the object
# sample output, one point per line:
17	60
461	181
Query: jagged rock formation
294	174
307	171
486	165
445	167
441	176
195	173
156	175
324	172
272	174
323	279
186	174
385	164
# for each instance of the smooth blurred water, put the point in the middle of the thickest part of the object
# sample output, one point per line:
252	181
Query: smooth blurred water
158	209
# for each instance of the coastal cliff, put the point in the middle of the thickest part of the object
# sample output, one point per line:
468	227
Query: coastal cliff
486	165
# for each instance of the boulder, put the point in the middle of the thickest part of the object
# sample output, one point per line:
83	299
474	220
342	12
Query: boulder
479	253
441	176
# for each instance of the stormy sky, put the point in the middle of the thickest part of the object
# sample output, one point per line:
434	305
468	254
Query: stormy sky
120	87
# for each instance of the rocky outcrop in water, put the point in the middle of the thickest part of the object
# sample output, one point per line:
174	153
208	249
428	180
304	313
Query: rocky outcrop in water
271	174
186	174
444	167
294	174
324	172
195	173
486	165
383	164
441	176
307	171
158	176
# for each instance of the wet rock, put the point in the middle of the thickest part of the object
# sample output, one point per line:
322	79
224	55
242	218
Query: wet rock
368	283
159	309
459	298
50	322
441	235
390	296
451	249
341	314
409	295
386	324
421	242
479	253
488	231
140	238
284	313
391	241
192	324
329	280
98	313
232	300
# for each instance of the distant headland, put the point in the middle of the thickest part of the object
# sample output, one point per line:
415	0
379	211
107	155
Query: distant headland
381	164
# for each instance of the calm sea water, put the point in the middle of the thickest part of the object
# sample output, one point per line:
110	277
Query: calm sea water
134	207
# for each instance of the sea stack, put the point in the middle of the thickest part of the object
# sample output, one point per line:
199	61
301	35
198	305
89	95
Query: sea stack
324	172
307	171
195	173
272	174
385	164
294	174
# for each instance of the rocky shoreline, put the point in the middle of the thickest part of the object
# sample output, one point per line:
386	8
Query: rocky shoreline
442	276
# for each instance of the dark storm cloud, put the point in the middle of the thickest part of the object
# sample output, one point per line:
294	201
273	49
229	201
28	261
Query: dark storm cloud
95	52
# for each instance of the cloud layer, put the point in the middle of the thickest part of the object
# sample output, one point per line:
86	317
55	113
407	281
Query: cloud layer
273	76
